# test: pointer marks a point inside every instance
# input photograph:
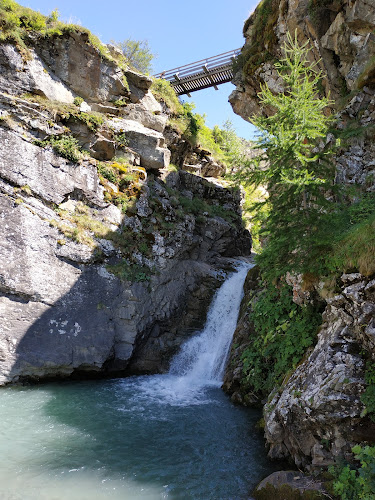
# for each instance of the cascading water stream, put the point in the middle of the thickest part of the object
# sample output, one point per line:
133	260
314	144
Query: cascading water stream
201	360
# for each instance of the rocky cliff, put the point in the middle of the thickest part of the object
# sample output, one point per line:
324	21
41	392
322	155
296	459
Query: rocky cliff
317	414
105	251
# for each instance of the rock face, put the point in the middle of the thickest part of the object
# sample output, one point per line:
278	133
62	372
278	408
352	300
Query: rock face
99	266
233	379
316	416
340	34
289	484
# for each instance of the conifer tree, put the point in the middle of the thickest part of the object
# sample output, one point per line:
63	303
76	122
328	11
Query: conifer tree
294	164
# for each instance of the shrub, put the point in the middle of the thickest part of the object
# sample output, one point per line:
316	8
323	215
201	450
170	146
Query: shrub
130	272
78	101
163	91
356	483
368	397
137	53
284	331
64	145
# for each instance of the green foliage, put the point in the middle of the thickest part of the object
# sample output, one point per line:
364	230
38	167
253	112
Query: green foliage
64	145
296	172
137	53
368	397
255	214
163	91
119	103
130	272
107	172
93	120
127	181
263	37
192	126
232	146
17	23
356	483
78	101
284	331
355	248
65	112
199	207
121	140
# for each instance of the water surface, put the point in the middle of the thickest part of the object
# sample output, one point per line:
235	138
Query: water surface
127	439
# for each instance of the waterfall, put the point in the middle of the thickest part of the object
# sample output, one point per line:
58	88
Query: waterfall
201	360
200	364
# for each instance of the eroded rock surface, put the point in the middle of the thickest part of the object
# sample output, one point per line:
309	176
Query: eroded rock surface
316	415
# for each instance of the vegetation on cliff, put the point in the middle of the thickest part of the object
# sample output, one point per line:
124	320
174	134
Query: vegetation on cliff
312	227
261	23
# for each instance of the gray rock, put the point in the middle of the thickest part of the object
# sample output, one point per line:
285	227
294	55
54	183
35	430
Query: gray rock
82	68
314	417
19	76
148	143
289	484
49	176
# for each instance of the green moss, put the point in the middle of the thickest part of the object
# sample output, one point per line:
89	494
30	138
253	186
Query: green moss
17	23
65	112
368	397
78	101
356	249
163	91
263	37
130	272
64	145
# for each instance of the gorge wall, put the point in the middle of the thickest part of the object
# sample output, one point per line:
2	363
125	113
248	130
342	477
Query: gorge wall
105	250
317	413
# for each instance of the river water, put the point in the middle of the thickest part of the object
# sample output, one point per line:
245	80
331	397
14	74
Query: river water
174	436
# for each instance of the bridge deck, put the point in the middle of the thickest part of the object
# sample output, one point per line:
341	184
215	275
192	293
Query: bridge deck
202	74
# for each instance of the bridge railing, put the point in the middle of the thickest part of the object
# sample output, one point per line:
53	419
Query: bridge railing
223	59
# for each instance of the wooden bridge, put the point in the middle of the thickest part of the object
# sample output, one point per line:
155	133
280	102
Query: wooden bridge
202	74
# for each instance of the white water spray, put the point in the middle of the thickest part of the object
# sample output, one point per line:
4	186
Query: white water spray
201	360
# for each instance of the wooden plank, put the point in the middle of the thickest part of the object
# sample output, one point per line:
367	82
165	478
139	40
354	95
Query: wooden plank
210	77
177	78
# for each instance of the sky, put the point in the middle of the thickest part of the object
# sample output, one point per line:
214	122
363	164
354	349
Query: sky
178	32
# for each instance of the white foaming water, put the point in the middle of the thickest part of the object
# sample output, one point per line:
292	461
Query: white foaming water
202	358
201	361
